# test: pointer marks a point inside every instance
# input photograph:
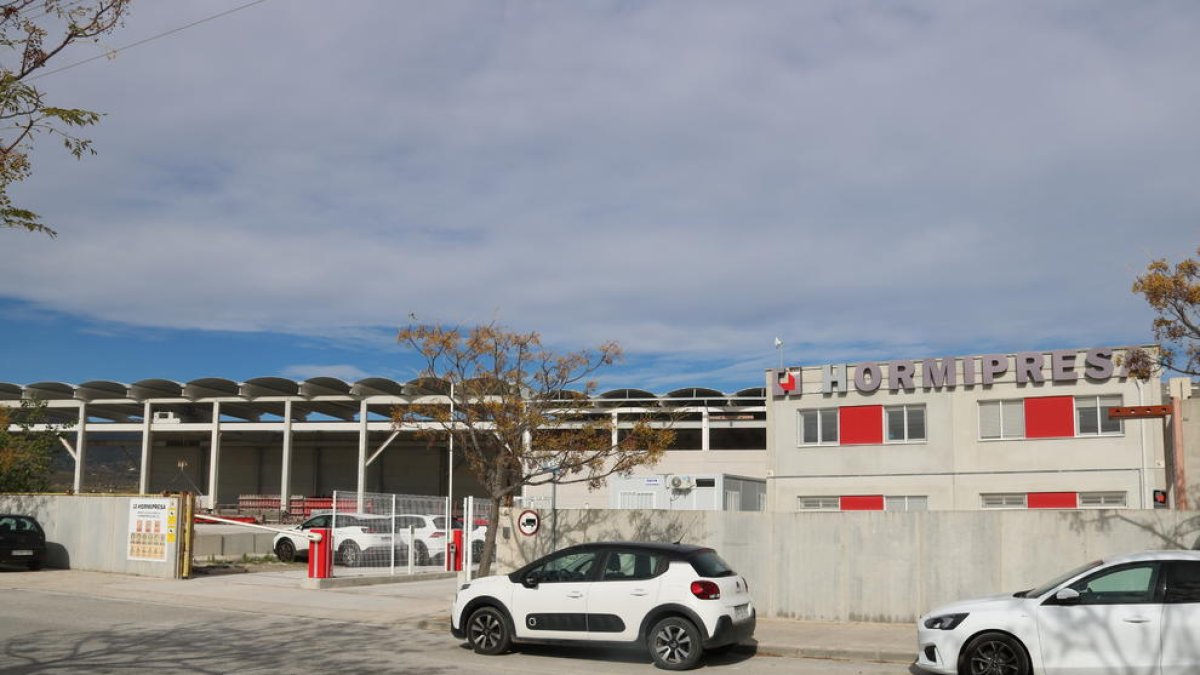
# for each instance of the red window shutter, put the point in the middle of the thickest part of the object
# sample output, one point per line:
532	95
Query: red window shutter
861	424
862	503
1052	500
1050	417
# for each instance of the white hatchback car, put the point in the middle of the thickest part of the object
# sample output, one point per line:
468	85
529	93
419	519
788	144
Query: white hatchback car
1136	613
677	600
361	539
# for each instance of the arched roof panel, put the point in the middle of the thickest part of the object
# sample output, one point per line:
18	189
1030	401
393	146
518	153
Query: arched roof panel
211	387
269	386
377	386
696	396
427	386
90	391
9	391
324	386
636	397
751	396
154	388
49	390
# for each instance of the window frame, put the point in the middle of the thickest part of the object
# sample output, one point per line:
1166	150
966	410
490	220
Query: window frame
823	507
1003	507
1103	494
908	501
904	409
1095	400
820	413
1001	402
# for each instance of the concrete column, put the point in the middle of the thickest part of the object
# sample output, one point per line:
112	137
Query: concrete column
285	472
615	434
214	455
362	453
80	447
704	443
144	476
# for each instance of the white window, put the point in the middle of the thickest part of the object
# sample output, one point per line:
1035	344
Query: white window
635	500
818	503
906	503
818	427
1004	500
1091	414
905	423
1104	500
1002	419
733	500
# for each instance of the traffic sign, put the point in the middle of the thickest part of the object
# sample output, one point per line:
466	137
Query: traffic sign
529	522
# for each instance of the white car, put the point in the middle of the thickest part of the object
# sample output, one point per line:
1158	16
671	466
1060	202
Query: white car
359	538
677	600
1136	613
429	536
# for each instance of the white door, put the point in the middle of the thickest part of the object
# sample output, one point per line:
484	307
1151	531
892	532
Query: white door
1111	629
553	604
624	592
1181	619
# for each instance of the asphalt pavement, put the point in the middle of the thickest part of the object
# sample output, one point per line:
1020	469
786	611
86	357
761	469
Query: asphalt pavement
423	601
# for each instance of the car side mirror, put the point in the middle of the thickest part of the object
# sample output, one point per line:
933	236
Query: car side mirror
530	581
1067	596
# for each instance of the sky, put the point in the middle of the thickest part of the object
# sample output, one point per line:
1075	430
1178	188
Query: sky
277	190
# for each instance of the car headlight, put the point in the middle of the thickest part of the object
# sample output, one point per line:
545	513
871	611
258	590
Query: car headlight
945	621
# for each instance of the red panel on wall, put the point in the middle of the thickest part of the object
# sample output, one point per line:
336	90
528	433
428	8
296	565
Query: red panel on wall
1052	500
862	503
861	424
1050	417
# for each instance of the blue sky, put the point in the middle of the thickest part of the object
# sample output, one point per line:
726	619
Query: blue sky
278	189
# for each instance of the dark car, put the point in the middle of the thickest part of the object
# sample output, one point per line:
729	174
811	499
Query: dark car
22	541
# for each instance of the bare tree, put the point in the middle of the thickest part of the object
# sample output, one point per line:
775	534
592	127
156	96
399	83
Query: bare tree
520	414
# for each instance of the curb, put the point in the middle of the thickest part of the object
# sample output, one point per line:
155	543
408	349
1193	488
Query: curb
763	649
351	582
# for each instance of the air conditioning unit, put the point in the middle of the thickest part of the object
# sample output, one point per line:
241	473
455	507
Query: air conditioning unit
682	483
166	416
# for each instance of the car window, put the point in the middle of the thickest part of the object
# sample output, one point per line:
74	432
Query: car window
1183	582
316	521
575	566
19	524
439	522
709	564
633	565
1128	584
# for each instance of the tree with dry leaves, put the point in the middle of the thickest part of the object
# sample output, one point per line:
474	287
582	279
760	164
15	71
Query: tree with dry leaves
1174	294
31	33
521	414
26	453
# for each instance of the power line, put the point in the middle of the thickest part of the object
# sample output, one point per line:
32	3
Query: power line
139	43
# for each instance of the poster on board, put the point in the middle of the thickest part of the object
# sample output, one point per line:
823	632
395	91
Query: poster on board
152	523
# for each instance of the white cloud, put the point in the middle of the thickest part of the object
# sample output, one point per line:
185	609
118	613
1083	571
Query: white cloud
689	179
346	373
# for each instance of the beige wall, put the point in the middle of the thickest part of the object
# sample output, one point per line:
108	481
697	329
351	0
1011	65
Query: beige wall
877	566
954	466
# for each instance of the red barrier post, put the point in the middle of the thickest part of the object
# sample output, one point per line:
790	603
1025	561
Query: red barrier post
456	551
320	554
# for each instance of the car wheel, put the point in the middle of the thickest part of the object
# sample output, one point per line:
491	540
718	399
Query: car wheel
351	555
421	553
285	550
487	631
674	644
994	654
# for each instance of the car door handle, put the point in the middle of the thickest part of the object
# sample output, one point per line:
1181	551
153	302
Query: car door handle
638	591
574	594
1136	619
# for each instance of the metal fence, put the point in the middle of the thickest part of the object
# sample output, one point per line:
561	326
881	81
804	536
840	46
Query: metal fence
376	533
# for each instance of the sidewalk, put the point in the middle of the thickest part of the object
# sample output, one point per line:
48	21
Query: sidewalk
423	602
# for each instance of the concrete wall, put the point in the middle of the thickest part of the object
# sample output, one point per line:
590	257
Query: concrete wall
86	532
872	566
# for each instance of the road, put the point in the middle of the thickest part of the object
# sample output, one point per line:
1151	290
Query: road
45	631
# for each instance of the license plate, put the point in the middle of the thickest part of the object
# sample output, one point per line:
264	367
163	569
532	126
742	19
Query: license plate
22	552
741	612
